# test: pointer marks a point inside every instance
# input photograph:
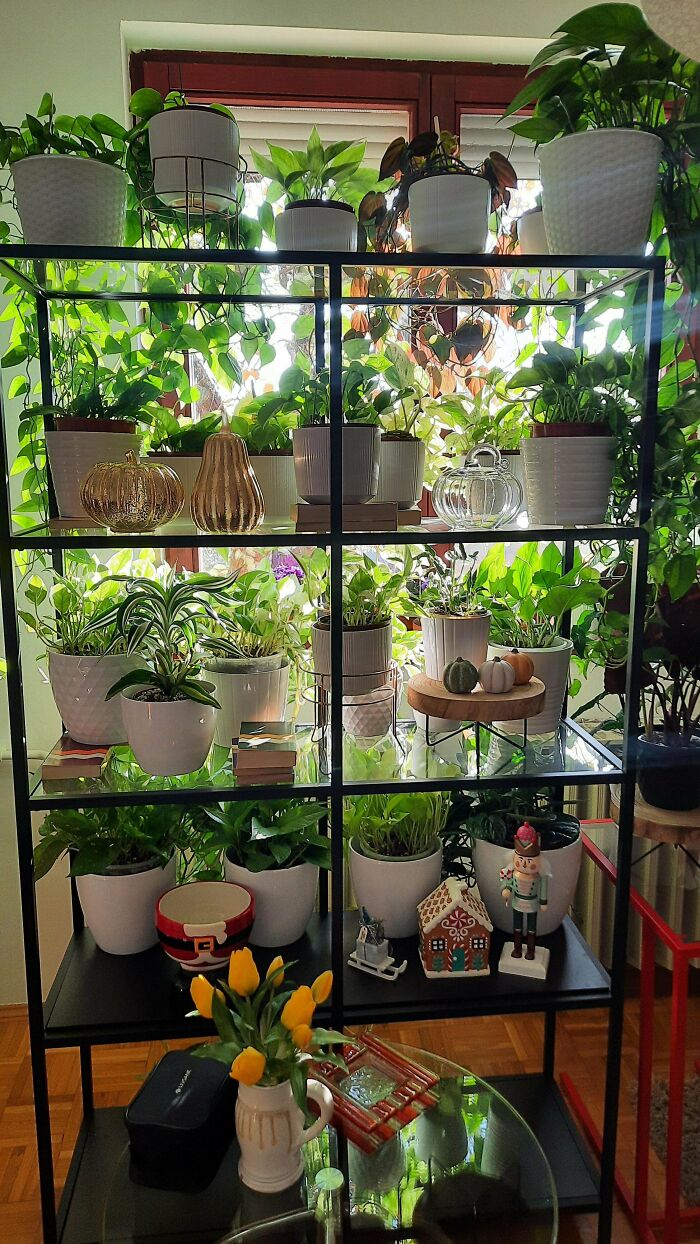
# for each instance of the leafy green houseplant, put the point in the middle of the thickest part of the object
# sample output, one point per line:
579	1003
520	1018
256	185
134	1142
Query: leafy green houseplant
179	443
411	428
447	592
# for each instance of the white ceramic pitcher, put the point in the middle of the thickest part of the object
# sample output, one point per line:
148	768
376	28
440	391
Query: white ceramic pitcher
271	1132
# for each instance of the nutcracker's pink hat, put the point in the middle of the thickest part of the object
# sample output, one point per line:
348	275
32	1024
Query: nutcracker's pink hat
527	841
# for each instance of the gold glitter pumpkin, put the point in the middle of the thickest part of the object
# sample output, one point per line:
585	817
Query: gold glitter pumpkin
131	495
226	496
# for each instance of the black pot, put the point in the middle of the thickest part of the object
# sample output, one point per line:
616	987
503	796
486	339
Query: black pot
669	773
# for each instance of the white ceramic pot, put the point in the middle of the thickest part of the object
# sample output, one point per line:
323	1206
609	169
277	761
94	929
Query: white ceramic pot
284	901
450	214
168	737
446	637
531	233
366	656
278	484
79	686
584	211
186	467
369	716
564	865
401	470
391	889
72	454
441	1137
552	666
567	478
312	463
270	1130
64	200
120	909
255	694
511	460
316	227
190	146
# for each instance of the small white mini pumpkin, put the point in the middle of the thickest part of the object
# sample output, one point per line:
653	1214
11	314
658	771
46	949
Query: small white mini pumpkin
496	676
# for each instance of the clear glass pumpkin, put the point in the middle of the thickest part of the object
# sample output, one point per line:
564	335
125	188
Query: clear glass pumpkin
482	493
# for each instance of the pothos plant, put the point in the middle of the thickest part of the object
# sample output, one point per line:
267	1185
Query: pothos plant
102	839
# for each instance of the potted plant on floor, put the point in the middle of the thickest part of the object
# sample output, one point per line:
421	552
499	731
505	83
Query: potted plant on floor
309	397
68	177
275	849
178	443
123	860
184	154
395	853
265	423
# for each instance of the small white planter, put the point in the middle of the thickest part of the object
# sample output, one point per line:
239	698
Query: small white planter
444	639
552	666
531	233
278	484
256	694
366	657
79	686
369	716
312	463
120	908
564	864
186	467
391	889
270	1130
585	212
316	227
450	214
72	454
194	149
168	738
64	200
401	470
567	478
284	901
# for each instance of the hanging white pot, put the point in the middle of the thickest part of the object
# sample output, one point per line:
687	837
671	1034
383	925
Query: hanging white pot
194	149
552	666
248	690
79	686
401	470
284	900
278	484
366	656
72	454
450	214
585	212
567	478
120	906
564	865
312	463
168	737
186	467
316	225
65	200
270	1130
391	889
531	233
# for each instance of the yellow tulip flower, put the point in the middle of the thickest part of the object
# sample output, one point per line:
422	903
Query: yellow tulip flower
321	988
302	1036
243	976
248	1067
298	1009
273	971
202	994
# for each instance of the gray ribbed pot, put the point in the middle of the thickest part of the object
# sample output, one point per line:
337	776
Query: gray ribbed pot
312	463
401	469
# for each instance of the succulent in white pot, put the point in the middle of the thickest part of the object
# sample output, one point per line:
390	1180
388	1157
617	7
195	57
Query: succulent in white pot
184	154
314	184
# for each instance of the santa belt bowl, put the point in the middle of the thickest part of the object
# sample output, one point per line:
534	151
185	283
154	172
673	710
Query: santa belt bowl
200	924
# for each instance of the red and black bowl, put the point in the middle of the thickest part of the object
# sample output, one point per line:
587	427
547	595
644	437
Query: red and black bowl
200	924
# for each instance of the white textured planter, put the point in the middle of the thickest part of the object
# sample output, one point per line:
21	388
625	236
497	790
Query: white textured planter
312	463
585	212
270	1130
255	695
184	144
401	470
552	666
366	657
391	889
278	484
316	227
567	478
450	213
445	639
79	686
369	716
72	454
284	901
65	200
531	234
168	738
120	909
186	467
564	865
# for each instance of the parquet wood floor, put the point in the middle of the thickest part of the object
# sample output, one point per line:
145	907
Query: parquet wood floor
489	1046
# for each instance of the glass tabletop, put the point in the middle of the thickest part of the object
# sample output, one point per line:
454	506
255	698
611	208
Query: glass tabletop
469	1168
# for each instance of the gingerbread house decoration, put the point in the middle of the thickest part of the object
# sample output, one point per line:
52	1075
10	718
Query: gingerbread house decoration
455	931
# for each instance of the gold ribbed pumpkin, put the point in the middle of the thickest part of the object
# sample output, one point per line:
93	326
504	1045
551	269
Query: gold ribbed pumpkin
131	495
226	496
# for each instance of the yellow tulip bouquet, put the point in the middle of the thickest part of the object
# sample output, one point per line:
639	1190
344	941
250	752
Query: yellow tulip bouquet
264	1028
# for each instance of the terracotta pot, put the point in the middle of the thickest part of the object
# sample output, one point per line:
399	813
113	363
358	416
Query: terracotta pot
543	430
78	423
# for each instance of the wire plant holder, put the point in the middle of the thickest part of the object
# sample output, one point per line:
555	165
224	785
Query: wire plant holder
317	693
201	219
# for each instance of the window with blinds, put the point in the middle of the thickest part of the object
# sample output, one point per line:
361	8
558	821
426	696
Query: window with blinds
290	127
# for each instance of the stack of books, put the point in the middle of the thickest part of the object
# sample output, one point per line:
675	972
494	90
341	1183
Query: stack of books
264	753
374	516
74	760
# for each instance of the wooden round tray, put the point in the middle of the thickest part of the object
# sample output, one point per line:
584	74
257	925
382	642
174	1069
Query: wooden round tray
660	824
431	698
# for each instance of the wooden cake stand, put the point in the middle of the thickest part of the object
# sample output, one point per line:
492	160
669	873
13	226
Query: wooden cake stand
432	699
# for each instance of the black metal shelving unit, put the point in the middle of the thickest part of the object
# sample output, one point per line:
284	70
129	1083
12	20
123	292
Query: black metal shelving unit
99	999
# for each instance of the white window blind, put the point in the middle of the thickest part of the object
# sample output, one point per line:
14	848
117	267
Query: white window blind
480	134
290	127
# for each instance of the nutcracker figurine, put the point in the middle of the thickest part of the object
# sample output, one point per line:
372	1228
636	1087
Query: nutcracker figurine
526	884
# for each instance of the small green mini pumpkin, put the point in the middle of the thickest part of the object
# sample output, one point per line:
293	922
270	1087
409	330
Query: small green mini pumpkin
460	677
